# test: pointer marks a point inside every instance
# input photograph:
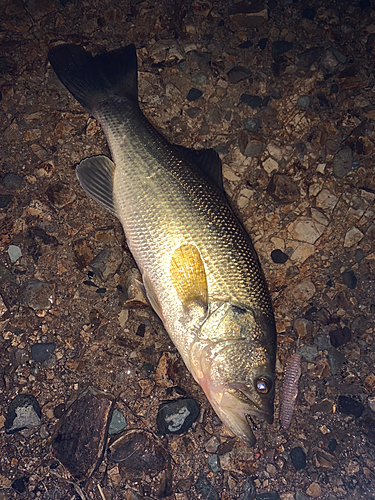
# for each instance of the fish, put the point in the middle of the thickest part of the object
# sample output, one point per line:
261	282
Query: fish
290	389
199	269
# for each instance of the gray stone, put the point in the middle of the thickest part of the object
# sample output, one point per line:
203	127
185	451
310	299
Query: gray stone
40	352
213	462
335	359
118	422
303	101
14	253
38	295
106	263
308	352
23	413
343	163
11	181
252	124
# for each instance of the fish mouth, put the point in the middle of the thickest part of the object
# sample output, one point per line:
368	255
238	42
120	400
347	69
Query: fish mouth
233	407
262	409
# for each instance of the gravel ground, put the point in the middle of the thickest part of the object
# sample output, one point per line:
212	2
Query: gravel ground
284	92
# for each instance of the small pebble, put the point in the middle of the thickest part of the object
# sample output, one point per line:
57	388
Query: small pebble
38	295
237	74
252	124
193	112
199	78
335	359
359	255
194	94
343	163
204	487
19	485
254	101
308	13
5	200
314	490
279	257
214	116
106	263
349	279
283	189
14	253
280	47
321	342
23	413
308	352
213	462
89	283
176	417
212	445
118	422
40	352
298	458
332	445
11	181
303	102
340	336
262	44
59	410
303	327
350	406
246	45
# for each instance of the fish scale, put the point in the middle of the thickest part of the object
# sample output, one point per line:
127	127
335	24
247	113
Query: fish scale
199	269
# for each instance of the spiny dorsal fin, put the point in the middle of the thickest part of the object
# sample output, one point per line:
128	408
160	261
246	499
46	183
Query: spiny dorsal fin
95	175
188	276
208	161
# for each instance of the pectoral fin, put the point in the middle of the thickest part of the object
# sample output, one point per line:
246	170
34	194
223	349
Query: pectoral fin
188	276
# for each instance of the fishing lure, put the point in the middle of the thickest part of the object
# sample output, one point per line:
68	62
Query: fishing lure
290	389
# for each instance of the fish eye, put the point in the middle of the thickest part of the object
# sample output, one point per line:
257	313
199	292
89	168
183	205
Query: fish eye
263	385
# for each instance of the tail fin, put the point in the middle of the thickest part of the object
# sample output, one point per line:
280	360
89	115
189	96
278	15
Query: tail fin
91	79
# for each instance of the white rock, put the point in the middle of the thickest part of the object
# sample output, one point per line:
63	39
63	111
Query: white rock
275	151
302	252
230	175
318	216
270	165
353	236
304	291
242	201
278	243
321	167
306	230
326	200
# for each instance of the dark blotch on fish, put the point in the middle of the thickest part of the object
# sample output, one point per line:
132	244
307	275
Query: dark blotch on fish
290	389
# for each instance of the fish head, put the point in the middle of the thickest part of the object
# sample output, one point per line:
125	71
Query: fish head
236	367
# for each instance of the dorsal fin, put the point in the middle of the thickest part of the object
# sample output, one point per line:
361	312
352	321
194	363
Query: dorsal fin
208	161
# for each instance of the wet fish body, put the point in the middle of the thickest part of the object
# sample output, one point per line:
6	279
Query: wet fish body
199	269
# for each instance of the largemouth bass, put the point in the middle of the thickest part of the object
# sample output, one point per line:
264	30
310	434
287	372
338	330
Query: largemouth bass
199	269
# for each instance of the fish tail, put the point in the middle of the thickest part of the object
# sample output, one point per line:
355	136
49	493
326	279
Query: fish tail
93	79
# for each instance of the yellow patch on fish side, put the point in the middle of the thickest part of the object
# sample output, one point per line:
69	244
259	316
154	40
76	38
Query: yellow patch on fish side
188	275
